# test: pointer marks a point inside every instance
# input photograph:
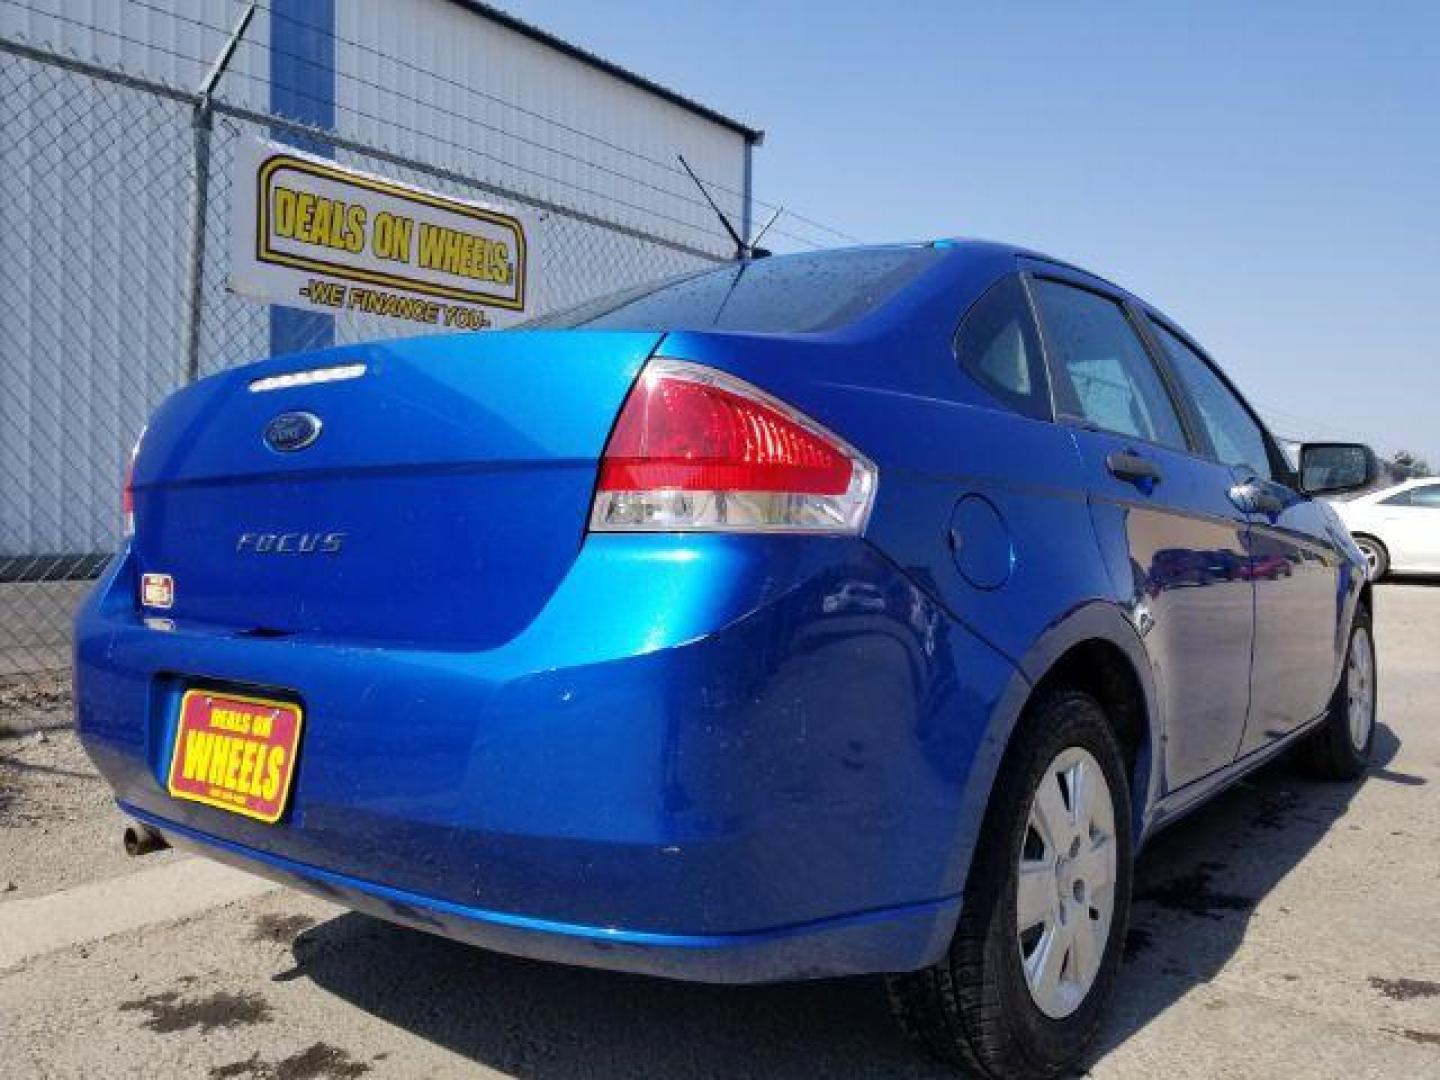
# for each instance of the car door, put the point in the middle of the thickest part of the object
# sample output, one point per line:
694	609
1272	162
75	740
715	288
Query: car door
1175	543
1294	553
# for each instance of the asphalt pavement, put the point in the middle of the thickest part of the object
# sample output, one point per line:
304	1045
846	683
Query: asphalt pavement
1286	930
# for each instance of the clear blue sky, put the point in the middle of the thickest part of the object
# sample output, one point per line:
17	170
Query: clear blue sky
1268	174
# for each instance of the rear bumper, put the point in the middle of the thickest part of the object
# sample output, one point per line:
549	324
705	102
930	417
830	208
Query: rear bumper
718	758
900	938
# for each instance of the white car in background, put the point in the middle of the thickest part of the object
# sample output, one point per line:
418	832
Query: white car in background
1398	528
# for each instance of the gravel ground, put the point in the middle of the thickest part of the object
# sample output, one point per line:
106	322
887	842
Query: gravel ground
58	824
1288	930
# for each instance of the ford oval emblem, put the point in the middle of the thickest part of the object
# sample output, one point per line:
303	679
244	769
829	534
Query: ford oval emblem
292	431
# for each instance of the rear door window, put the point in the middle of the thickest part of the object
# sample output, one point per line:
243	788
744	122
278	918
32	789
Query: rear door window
1102	373
1427	495
998	344
1235	435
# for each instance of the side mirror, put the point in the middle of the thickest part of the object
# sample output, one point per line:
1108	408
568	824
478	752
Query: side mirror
1329	468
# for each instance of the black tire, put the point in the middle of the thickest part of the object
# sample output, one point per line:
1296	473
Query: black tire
974	1008
1330	751
1376	554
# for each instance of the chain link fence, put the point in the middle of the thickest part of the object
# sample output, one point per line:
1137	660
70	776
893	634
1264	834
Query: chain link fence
112	301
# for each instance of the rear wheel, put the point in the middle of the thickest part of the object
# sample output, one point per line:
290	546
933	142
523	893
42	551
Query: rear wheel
1021	990
1339	749
1375	554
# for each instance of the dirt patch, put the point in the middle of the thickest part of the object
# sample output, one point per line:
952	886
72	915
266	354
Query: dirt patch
21	696
251	1066
1405	989
1192	894
59	826
321	1061
1275	809
169	1012
1425	1038
281	929
42	775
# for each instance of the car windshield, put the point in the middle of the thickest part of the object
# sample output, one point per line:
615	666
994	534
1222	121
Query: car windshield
783	294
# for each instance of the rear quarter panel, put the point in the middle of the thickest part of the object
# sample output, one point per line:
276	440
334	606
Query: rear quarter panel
894	389
984	509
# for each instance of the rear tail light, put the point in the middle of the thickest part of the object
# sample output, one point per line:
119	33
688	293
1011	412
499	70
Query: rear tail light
127	491
698	450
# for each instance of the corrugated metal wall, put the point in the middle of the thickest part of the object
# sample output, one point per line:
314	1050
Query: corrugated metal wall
422	78
111	304
170	41
414	77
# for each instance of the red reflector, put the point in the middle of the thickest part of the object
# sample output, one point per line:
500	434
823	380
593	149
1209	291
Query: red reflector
681	435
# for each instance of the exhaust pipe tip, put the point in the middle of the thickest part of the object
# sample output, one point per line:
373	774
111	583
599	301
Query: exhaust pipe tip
142	840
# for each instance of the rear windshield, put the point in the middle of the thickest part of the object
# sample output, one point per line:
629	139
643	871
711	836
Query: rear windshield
786	294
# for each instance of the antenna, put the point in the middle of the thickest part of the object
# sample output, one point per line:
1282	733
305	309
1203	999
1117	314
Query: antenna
743	250
755	250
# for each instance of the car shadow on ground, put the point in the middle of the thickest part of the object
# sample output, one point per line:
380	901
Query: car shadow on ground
1196	887
1198	883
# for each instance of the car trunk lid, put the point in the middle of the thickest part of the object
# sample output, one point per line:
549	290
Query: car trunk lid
444	497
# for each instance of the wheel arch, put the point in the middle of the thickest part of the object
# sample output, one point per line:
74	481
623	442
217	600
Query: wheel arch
1095	648
1101	669
1372	537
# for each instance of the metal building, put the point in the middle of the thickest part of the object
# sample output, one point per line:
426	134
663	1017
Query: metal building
116	297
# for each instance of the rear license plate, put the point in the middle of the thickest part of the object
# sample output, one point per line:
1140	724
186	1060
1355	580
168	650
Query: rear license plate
236	753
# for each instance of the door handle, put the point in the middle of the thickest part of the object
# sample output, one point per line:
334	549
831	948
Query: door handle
1130	466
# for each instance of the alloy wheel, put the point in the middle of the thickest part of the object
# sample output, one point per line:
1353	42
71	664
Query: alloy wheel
1360	688
1372	556
1065	891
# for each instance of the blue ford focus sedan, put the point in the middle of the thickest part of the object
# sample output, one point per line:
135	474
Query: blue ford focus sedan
853	612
